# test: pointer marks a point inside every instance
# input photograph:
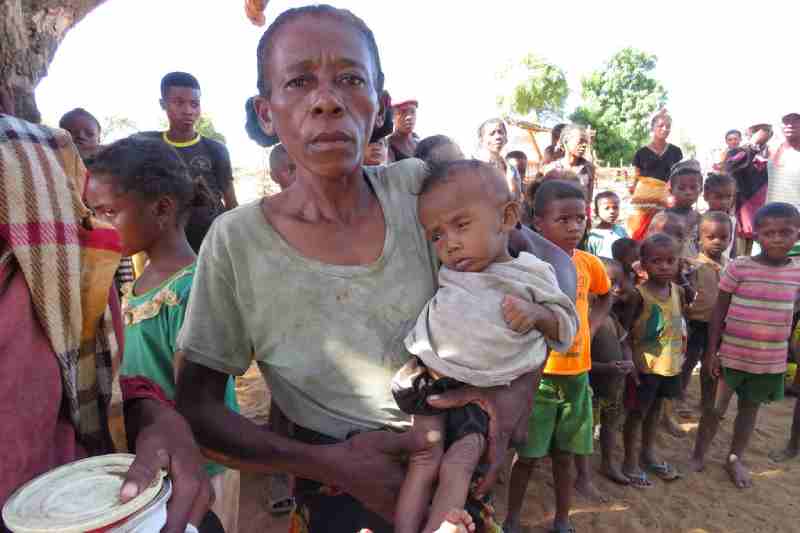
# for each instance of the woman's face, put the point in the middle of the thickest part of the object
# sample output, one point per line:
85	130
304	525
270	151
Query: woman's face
494	137
323	103
661	128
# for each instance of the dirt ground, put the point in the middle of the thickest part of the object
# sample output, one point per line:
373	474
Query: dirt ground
700	503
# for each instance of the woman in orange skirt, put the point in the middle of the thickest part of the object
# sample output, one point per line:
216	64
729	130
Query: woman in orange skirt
652	164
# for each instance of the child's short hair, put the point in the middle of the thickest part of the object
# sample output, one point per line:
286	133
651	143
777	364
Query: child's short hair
669	223
441	173
716	217
555	133
715	182
178	79
655	241
733	132
621	247
151	168
690	167
77	112
776	210
603	195
516	154
427	145
552	190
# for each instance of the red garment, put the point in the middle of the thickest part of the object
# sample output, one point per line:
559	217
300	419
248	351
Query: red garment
38	436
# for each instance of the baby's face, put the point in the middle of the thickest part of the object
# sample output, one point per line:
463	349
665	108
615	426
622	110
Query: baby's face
468	226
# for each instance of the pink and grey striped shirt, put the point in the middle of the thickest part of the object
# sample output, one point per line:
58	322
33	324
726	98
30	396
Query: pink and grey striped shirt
756	332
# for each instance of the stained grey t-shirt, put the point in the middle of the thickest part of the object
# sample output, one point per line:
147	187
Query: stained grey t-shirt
327	338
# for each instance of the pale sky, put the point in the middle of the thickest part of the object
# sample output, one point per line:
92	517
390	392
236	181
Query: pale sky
726	64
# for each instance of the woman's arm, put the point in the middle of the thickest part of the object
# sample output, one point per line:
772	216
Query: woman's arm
367	466
163	441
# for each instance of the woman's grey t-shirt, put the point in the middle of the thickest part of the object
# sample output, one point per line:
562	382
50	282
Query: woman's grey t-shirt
327	338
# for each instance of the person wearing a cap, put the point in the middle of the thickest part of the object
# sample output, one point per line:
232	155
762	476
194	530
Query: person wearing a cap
403	142
784	165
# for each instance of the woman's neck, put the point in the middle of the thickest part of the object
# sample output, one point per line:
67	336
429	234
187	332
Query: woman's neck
658	144
334	200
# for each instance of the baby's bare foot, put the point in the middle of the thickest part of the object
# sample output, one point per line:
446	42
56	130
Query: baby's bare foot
457	521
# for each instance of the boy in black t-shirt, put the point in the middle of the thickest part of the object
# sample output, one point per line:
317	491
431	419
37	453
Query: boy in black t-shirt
208	160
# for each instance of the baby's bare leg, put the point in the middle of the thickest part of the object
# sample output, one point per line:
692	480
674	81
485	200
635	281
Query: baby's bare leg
423	467
455	475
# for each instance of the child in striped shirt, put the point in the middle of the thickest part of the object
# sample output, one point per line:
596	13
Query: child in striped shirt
748	334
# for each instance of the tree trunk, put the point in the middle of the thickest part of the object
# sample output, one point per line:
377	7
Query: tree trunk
30	32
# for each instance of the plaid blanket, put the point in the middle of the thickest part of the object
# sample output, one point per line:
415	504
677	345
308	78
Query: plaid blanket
68	259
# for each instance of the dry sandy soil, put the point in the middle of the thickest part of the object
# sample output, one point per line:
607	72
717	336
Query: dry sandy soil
699	503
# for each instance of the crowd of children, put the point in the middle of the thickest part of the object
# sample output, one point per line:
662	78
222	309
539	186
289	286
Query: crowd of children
648	309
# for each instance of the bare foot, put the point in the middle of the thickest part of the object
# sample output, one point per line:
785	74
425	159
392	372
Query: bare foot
738	473
672	427
586	489
457	521
614	473
683	409
784	455
696	464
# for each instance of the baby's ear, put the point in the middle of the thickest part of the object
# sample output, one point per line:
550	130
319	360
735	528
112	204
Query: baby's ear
510	215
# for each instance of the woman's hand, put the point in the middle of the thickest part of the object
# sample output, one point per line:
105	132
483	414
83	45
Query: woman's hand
371	467
508	408
166	443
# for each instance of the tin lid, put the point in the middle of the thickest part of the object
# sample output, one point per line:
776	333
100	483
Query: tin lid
76	497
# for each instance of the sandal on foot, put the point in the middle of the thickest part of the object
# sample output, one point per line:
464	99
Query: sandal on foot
664	471
639	481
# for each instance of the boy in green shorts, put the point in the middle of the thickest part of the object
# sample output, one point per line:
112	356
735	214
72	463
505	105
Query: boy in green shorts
561	422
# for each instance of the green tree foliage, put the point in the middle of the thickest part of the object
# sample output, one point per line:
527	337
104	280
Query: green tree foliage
116	127
532	87
205	127
618	101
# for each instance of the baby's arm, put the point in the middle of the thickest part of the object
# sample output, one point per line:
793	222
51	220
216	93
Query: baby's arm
522	316
423	470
